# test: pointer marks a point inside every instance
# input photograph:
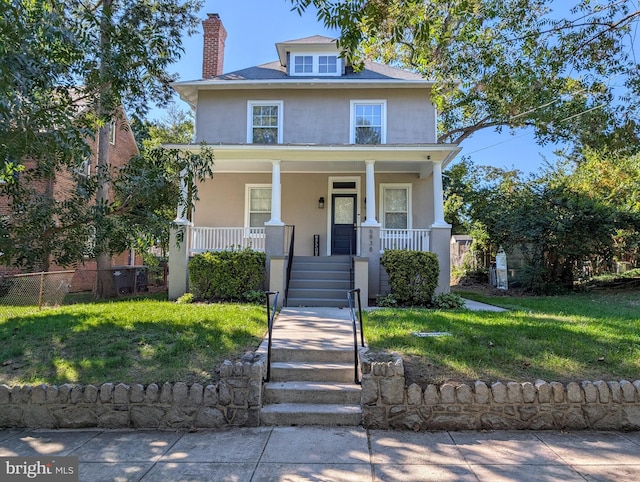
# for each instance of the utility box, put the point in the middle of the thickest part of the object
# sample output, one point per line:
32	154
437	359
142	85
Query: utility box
130	279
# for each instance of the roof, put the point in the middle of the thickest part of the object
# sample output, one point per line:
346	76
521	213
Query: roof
273	75
275	71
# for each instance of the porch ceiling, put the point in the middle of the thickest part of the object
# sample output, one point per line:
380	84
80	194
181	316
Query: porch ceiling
404	158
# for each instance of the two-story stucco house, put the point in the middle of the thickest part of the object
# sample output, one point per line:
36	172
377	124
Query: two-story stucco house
346	160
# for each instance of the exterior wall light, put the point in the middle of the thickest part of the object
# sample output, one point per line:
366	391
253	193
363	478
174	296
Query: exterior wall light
321	203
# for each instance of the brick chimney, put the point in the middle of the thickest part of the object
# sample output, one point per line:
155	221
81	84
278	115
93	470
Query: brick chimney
213	51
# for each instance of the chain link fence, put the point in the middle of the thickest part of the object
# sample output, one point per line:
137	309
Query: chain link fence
21	292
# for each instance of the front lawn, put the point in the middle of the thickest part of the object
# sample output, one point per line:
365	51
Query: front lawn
132	341
593	336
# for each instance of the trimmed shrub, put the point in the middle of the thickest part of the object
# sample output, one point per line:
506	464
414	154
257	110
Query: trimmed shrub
413	275
226	275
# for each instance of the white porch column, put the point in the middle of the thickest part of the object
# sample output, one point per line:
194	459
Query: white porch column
438	197
276	196
370	196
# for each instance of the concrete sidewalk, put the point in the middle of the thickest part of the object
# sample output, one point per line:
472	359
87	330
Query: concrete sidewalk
335	454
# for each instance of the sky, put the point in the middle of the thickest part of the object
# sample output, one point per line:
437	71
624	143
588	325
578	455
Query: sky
255	26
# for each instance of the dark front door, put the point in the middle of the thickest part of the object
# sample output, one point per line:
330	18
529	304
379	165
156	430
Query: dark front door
343	224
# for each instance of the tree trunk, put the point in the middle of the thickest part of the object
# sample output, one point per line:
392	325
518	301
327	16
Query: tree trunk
105	287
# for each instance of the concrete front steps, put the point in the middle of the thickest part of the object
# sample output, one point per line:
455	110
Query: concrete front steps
319	281
312	374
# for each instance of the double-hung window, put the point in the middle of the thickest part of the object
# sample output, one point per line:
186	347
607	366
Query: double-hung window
257	205
368	122
395	206
264	119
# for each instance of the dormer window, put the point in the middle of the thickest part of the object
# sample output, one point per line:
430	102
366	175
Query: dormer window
327	64
303	64
315	64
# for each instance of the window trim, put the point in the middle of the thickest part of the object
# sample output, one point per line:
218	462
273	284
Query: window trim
395	185
315	64
112	132
254	103
352	118
247	202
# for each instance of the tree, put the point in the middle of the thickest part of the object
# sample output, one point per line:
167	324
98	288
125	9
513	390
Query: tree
133	43
97	56
505	63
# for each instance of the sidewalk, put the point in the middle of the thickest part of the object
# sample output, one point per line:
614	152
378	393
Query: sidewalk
335	454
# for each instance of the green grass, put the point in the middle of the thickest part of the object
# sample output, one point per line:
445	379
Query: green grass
592	336
133	341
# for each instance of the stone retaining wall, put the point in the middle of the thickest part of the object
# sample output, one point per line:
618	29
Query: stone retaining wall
387	403
235	400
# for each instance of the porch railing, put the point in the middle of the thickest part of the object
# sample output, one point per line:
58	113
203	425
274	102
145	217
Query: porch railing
411	239
220	239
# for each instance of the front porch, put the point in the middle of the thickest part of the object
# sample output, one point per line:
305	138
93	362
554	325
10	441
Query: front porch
341	201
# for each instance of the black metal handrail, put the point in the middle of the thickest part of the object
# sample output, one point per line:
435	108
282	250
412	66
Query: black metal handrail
270	319
355	335
289	264
352	262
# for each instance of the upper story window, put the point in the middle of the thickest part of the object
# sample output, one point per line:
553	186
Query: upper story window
368	122
303	64
316	64
327	64
265	122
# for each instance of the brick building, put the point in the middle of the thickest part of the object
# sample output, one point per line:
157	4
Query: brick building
122	147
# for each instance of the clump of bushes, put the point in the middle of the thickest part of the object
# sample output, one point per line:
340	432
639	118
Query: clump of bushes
447	301
227	275
413	276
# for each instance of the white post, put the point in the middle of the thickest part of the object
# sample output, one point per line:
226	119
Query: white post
276	192
370	198
438	197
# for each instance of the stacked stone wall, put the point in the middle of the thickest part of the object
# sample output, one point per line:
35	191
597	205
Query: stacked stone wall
388	404
235	400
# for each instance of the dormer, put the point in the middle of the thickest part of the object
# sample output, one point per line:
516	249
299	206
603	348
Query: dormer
315	56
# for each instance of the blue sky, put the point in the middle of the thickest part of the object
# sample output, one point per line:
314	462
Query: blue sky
253	28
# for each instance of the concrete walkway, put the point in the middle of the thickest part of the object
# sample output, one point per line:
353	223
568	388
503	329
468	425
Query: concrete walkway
334	454
477	306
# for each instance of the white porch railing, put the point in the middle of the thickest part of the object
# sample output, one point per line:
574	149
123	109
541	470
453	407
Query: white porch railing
411	239
220	239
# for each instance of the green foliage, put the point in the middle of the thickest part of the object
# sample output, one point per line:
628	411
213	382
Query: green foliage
387	301
576	337
447	301
559	219
506	63
142	341
66	71
413	275
226	275
186	299
255	297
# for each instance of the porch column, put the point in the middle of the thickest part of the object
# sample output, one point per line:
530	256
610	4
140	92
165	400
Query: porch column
370	195
440	232
178	279
179	239
438	197
276	201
